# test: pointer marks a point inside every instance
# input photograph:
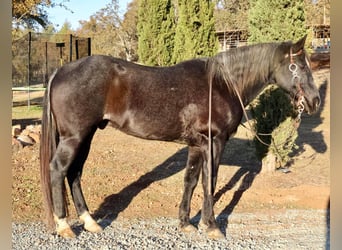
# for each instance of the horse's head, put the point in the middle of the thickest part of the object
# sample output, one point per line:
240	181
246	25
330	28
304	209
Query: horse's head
293	74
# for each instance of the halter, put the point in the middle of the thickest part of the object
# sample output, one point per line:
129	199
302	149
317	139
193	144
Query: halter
293	67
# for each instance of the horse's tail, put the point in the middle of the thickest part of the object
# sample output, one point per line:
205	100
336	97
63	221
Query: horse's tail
48	144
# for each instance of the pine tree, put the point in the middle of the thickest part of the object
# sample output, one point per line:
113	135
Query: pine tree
275	20
166	36
195	31
155	32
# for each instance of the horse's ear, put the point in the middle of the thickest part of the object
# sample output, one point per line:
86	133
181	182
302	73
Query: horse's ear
299	45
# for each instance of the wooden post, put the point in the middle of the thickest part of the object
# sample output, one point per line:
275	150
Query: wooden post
70	59
29	69
89	46
46	65
76	49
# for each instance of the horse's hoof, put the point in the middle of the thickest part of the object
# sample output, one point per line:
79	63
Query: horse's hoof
93	227
63	229
89	223
66	233
215	234
202	225
188	228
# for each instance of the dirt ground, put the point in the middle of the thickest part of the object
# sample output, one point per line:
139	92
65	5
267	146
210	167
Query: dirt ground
128	177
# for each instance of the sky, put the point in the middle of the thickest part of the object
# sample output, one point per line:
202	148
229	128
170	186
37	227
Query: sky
82	9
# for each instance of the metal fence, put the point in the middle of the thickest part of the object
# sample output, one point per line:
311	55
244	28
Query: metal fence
36	55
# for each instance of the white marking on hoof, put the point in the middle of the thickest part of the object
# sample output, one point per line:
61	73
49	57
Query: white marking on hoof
63	228
188	229
215	234
89	223
202	226
212	233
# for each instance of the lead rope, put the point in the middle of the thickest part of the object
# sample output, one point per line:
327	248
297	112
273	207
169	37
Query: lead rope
293	67
210	160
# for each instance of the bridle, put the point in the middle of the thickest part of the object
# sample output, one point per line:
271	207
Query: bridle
293	67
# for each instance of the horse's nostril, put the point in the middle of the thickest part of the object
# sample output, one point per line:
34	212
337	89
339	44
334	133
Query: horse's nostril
317	102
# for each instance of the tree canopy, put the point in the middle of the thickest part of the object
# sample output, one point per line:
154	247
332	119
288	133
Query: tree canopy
173	31
111	33
156	29
195	31
231	14
32	13
276	20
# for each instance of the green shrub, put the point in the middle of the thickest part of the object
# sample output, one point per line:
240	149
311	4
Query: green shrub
274	123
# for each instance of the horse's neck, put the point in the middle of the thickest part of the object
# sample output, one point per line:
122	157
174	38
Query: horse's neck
254	75
253	89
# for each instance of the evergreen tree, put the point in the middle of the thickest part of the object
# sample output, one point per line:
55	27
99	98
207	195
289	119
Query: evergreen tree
275	20
195	31
155	31
166	36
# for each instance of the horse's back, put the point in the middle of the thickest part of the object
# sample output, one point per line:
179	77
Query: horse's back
148	102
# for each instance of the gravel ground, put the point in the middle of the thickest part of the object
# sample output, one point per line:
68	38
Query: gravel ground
289	229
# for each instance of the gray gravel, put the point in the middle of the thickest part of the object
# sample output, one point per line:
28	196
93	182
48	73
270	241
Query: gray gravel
290	229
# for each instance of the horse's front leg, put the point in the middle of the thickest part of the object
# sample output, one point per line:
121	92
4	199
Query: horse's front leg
207	216
193	168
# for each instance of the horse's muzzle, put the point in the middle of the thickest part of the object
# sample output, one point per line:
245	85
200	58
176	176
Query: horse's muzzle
313	106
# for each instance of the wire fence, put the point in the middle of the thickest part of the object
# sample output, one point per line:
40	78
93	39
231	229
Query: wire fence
35	56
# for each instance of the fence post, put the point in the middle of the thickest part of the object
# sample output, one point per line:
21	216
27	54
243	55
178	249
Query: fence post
29	69
46	75
76	49
89	46
70	47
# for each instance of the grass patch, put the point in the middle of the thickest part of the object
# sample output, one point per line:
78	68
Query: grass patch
24	112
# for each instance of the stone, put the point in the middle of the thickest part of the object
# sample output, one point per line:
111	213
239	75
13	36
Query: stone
25	140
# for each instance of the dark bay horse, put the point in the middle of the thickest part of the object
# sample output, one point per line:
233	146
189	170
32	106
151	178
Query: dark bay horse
160	103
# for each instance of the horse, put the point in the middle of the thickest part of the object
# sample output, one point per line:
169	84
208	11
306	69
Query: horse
199	102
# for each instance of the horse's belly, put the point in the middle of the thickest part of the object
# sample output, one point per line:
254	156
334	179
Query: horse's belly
145	127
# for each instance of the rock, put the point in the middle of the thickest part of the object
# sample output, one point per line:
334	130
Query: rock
35	136
27	137
16	130
25	140
25	132
16	145
30	128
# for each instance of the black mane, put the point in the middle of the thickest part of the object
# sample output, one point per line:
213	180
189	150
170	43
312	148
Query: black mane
246	67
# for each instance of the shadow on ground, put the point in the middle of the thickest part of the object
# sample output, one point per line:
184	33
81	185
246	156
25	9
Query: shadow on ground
237	152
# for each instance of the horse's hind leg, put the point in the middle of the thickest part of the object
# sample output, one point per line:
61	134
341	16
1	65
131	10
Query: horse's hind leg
74	179
193	168
65	154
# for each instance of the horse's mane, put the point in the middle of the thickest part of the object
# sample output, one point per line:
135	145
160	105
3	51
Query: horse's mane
241	66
